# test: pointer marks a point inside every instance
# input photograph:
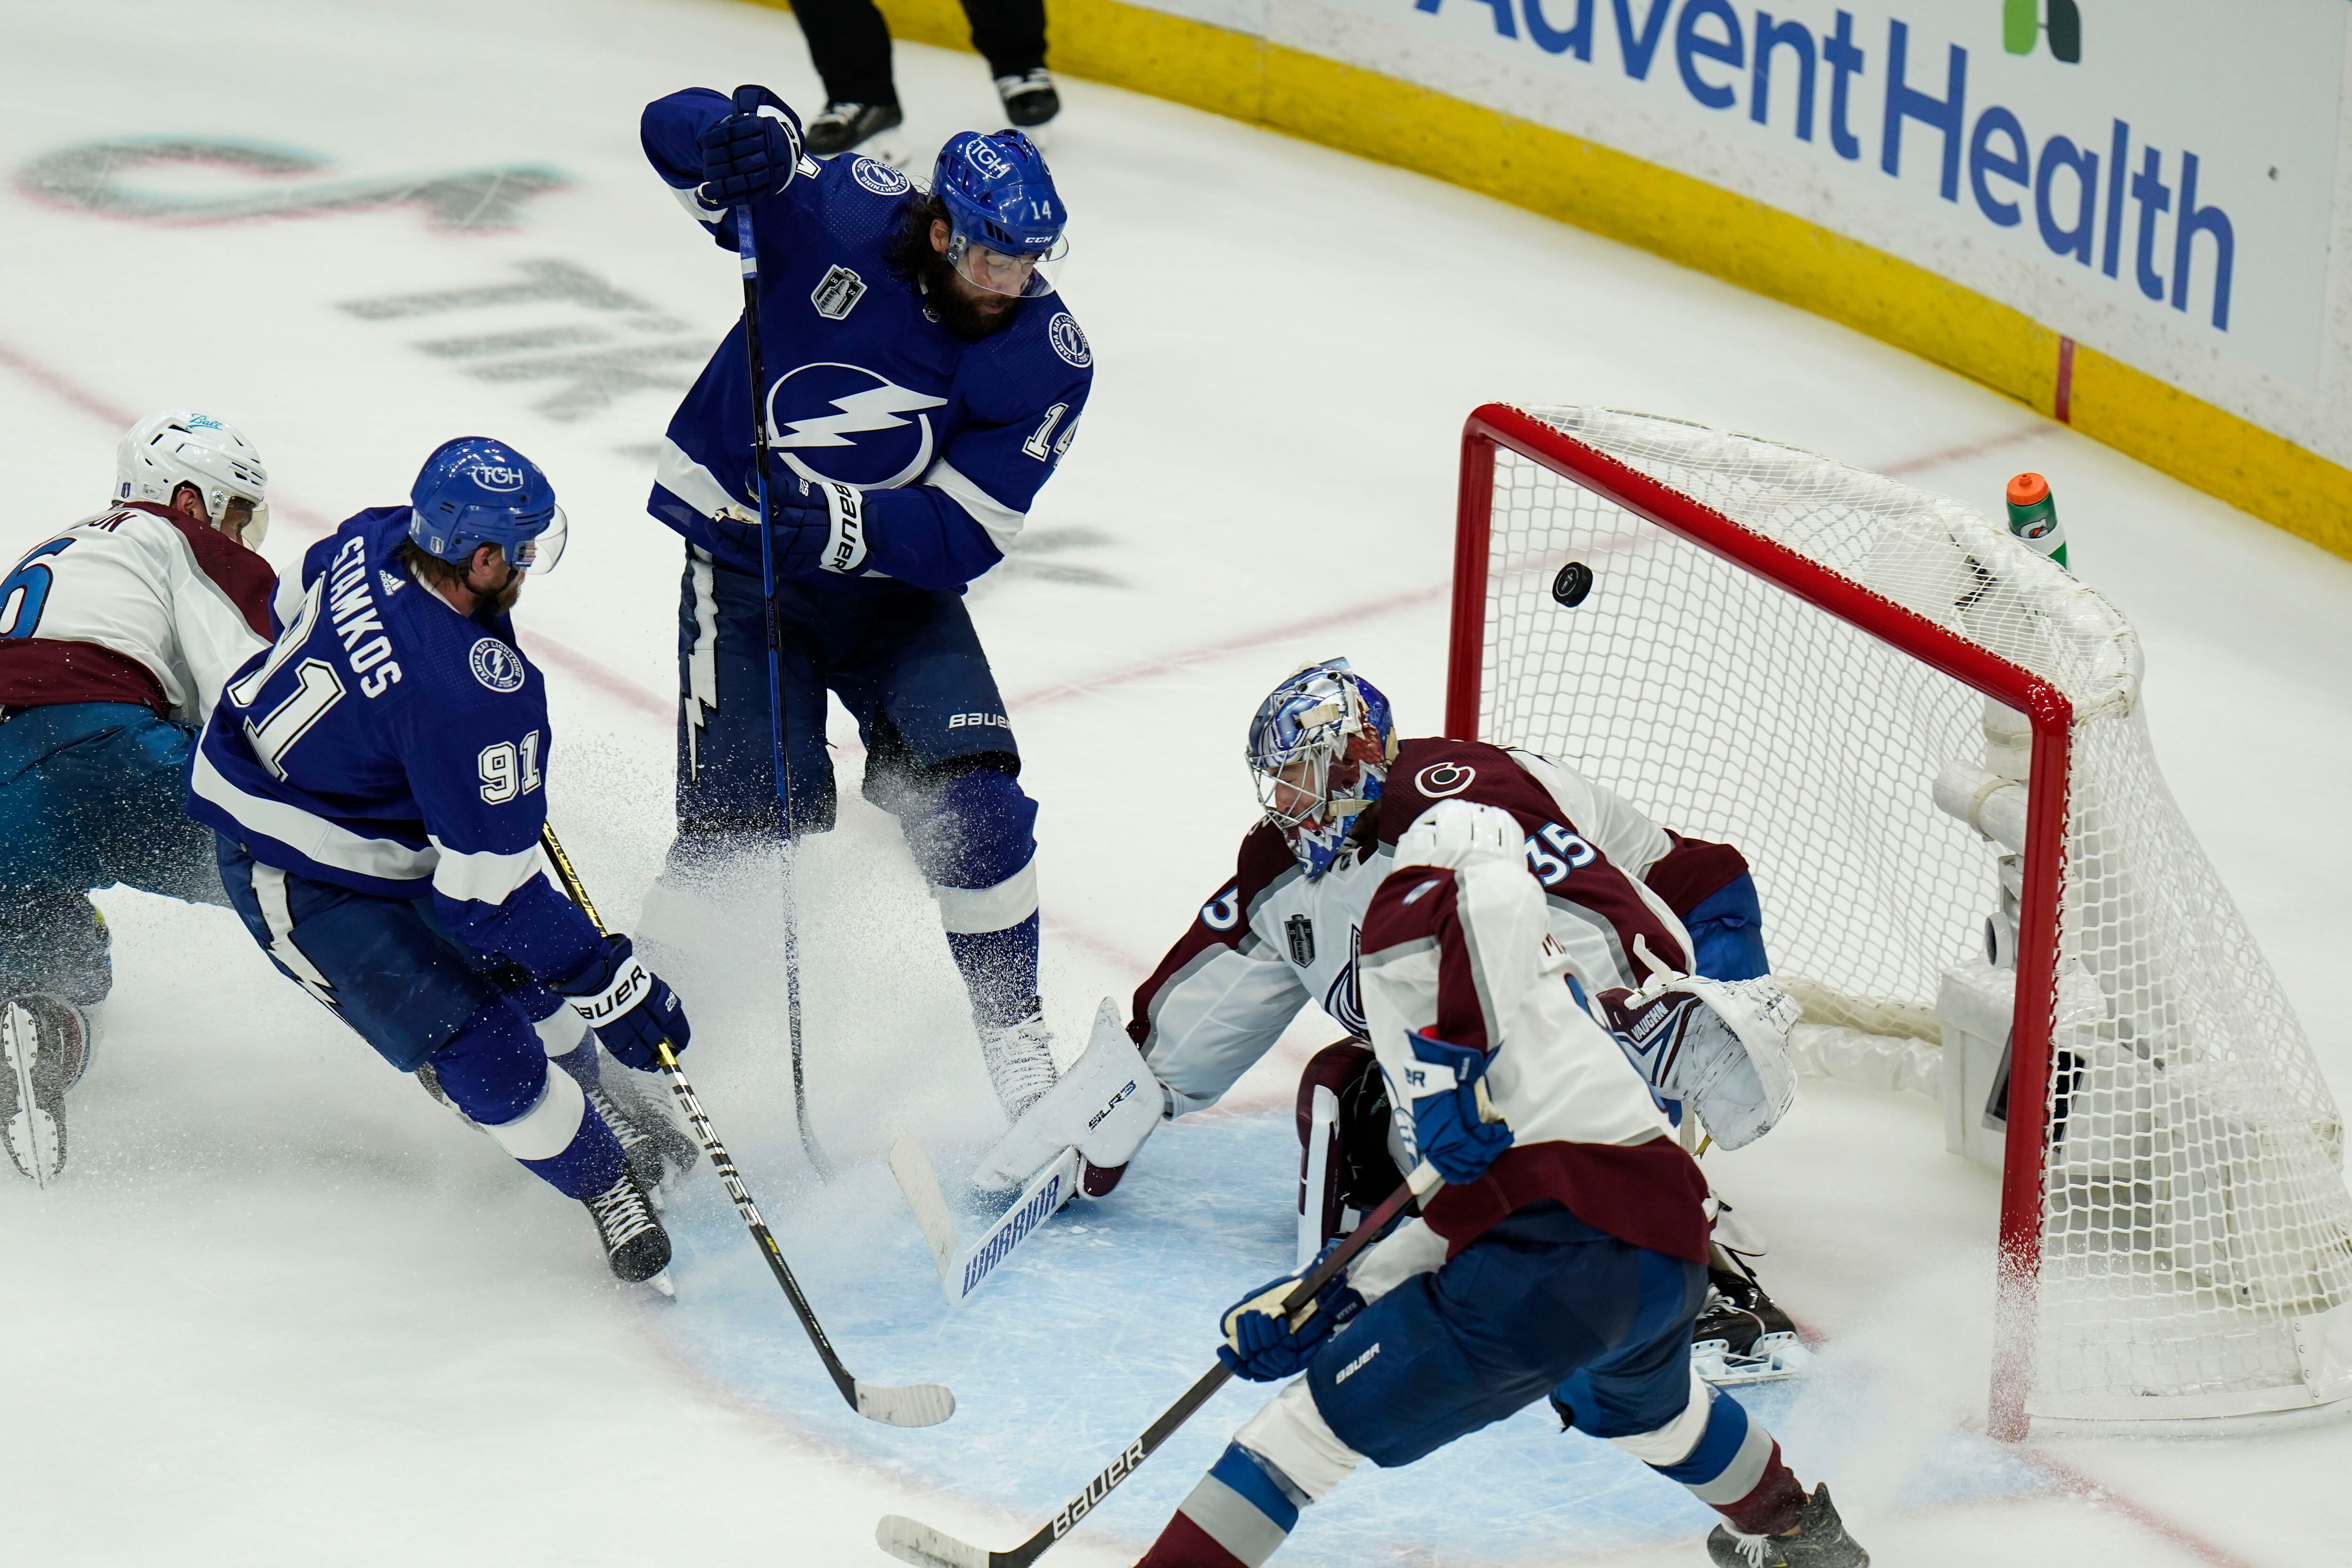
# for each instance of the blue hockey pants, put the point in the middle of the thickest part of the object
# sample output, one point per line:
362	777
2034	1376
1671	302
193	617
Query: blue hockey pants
390	970
941	755
90	796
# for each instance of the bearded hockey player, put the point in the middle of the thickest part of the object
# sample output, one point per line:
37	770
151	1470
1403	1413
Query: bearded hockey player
377	781
1627	903
1566	1249
115	637
925	382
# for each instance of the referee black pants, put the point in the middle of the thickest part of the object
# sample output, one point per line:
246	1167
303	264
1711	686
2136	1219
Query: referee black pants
851	44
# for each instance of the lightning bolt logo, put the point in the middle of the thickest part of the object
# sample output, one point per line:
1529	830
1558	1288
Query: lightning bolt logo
875	408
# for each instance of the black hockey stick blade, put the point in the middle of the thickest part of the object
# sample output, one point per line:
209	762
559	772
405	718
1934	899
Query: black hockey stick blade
911	1541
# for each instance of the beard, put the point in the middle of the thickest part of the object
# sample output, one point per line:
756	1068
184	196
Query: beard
492	606
943	292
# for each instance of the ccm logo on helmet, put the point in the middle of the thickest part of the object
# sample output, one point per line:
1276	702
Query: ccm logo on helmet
1441	779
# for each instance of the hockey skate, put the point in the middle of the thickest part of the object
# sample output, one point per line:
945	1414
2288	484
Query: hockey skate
839	127
1819	1541
43	1050
1020	1061
1742	1336
651	1143
636	1245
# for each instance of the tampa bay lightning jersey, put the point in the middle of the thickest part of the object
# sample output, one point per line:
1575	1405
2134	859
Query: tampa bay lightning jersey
391	745
950	439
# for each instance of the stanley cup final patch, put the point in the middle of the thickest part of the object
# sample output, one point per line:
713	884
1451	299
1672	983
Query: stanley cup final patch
838	293
1301	931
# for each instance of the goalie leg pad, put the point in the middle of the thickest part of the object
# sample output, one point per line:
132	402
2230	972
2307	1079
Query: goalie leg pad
1104	1106
1359	1165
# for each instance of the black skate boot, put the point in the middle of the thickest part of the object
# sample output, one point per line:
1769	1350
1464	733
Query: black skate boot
1029	97
839	127
1819	1541
656	1150
1738	1312
43	1050
635	1243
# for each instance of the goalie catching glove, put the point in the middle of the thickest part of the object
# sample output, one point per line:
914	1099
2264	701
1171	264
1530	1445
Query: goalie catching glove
627	1006
1719	1047
1263	1346
1104	1106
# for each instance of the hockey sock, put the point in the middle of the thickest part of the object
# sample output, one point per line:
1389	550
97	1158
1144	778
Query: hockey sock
1000	970
1242	1511
1734	1467
496	1071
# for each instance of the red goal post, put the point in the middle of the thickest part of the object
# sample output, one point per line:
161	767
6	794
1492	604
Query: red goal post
1518	672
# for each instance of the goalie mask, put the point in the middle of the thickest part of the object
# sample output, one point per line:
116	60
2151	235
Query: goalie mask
1320	751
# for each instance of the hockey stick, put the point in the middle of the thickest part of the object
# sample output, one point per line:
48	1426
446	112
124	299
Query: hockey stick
747	250
910	1541
911	1404
964	1269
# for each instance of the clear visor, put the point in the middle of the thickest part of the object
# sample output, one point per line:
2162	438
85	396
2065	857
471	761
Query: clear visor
1022	277
246	520
541	551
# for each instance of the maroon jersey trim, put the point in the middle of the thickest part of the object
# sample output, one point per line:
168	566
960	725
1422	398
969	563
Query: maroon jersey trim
44	672
1223	920
239	573
1693	871
1577	877
1648	1194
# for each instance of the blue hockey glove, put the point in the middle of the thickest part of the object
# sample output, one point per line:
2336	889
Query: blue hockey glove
630	1009
1448	1131
818	528
753	152
1262	1347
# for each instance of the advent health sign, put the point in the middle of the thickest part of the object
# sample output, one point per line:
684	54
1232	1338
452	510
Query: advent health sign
2159	179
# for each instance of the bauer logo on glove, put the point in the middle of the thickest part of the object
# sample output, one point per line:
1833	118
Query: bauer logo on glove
1441	1110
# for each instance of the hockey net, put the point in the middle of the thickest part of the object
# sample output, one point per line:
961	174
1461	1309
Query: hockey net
1927	740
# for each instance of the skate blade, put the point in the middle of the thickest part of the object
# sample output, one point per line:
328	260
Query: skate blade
661	1282
1770	1358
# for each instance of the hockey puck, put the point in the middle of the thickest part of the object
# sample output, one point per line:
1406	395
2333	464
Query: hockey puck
1574	582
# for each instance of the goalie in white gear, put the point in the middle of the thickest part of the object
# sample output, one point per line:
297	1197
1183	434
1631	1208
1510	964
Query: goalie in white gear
1629	902
116	634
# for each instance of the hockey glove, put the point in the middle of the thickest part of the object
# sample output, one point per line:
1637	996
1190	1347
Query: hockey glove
1449	1129
818	528
630	1009
1261	1346
753	152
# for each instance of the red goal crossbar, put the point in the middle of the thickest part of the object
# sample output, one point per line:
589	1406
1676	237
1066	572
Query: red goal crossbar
1496	425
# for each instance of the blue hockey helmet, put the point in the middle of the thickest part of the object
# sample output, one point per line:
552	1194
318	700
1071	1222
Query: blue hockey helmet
1320	751
474	491
1004	217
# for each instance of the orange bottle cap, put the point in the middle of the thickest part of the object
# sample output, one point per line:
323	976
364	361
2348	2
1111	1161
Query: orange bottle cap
2027	488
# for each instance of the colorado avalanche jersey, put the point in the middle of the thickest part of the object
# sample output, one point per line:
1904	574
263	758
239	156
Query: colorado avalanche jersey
137	604
952	439
391	745
1272	940
1472	956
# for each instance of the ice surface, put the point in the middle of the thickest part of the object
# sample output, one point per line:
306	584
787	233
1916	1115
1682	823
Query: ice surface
284	1310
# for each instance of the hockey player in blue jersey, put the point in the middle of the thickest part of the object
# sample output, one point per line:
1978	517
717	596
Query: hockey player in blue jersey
376	780
924	381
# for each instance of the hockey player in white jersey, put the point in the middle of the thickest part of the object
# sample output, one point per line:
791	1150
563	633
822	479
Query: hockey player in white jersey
1628	901
116	634
1564	1251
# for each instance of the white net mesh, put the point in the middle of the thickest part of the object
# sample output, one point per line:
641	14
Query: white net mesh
2194	1212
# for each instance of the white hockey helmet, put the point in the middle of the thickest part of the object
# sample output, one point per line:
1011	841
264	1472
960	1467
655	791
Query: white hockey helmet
181	447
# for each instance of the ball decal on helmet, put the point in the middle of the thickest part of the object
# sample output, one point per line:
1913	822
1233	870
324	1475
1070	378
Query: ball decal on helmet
1441	779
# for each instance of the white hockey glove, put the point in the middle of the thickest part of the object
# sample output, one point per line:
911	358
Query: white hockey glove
1104	1106
1720	1048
